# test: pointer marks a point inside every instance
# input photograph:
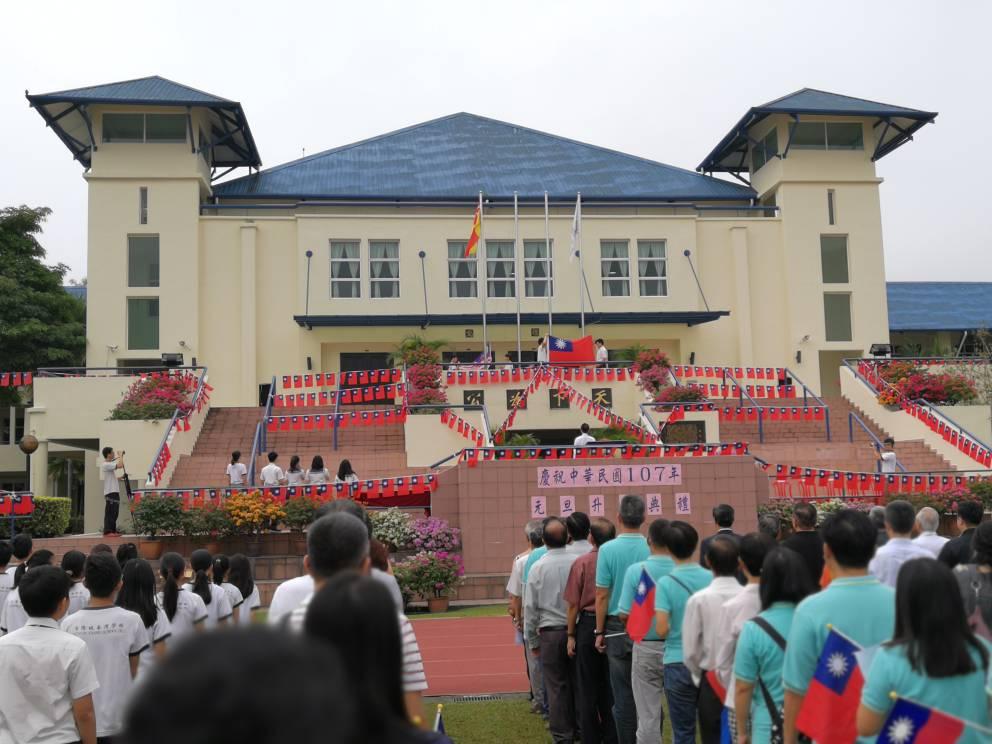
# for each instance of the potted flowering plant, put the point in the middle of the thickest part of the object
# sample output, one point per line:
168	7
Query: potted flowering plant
153	517
392	528
432	575
300	512
156	398
679	394
251	512
652	368
432	533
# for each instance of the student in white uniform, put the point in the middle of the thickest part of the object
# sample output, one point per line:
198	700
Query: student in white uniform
6	579
47	676
602	354
13	616
318	474
272	475
138	595
221	566
21	547
214	598
584	438
295	476
115	637
73	564
346	474
237	472
240	576
184	610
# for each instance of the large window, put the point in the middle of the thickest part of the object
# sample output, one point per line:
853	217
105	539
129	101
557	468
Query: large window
837	316
821	135
652	268
462	281
142	323
764	151
833	259
538	269
144	128
346	269
384	268
142	261
499	268
614	266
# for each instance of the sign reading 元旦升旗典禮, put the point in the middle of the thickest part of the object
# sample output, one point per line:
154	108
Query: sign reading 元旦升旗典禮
575	476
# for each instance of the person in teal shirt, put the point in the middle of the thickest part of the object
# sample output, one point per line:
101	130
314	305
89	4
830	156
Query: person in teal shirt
670	598
855	604
647	675
534	557
627	548
785	582
934	659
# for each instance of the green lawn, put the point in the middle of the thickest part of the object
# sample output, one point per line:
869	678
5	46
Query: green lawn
497	610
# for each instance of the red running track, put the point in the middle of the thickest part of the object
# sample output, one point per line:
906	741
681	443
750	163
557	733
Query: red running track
471	656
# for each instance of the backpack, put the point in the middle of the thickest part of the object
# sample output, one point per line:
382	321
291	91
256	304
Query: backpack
976	618
776	713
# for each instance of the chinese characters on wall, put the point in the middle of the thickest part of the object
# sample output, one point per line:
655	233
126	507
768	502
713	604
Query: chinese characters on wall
578	476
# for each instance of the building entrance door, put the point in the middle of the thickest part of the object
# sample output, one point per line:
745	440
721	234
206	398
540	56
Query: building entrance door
830	363
361	361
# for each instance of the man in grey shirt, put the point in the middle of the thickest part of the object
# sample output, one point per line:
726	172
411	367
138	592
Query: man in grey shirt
546	627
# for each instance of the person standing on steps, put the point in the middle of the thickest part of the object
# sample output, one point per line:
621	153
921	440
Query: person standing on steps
111	490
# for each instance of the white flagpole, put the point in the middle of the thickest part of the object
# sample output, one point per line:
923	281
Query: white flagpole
582	266
516	273
481	270
547	255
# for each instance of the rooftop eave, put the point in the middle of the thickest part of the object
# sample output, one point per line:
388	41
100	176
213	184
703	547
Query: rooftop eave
688	318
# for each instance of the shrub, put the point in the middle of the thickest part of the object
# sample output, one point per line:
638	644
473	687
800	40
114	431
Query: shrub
651	358
156	398
610	434
50	518
947	388
679	394
157	515
433	533
523	440
430	574
895	371
300	512
208	520
251	511
391	527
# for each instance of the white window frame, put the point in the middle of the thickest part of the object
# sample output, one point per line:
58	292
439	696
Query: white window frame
473	261
549	281
604	278
664	268
373	281
356	280
510	280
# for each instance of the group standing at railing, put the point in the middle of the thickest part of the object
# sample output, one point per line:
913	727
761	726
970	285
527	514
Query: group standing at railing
272	475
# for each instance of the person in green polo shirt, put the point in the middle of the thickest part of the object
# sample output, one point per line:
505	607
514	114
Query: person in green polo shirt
855	604
614	559
670	600
647	680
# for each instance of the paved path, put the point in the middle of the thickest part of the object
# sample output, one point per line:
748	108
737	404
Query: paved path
471	656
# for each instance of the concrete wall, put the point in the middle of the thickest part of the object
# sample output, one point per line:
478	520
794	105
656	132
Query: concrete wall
973	418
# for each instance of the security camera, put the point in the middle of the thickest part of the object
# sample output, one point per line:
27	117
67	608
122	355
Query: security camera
804	339
182	344
112	347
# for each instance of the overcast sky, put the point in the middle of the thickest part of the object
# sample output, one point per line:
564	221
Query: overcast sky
658	79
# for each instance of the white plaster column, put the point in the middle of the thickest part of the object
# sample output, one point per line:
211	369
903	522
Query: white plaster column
742	288
249	338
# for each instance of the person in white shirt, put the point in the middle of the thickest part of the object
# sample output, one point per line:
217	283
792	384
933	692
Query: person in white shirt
584	438
899	518
542	350
221	568
215	599
272	475
578	534
345	474
240	576
73	563
602	354
47	676
701	631
295	475
13	615
887	460
115	637
928	521
111	489
138	595
6	579
184	610
237	472
515	587
21	547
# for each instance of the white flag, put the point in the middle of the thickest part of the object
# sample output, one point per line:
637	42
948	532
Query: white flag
576	229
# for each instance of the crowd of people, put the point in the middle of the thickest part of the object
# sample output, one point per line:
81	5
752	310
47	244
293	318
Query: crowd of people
99	650
272	475
739	637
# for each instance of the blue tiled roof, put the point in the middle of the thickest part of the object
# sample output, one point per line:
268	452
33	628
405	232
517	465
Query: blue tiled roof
455	157
147	90
939	306
730	153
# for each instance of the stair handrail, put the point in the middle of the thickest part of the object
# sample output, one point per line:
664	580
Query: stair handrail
337	409
852	419
267	414
194	401
259	429
743	393
651	426
807	392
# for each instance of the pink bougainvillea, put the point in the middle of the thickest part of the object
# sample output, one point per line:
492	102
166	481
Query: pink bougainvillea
157	398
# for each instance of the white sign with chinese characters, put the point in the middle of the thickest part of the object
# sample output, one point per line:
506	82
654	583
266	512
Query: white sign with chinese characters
682	504
653	502
599	476
567	506
597	505
538	507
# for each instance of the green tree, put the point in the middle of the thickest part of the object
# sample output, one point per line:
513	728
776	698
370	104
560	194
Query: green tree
40	323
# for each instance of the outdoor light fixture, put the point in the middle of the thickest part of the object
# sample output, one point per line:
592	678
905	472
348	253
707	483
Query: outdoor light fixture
799	357
172	360
881	350
692	357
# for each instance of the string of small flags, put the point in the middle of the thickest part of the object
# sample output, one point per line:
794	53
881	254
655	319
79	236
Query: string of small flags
331	397
873	484
16	504
16	379
747	373
318	422
328	379
715	390
454	421
474	376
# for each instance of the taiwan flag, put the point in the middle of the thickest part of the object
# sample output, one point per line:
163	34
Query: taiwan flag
642	610
829	709
577	351
911	723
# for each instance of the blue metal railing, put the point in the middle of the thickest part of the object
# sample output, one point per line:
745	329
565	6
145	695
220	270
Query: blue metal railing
266	415
256	447
806	394
742	393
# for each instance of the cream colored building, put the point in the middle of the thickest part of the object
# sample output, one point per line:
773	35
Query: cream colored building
327	262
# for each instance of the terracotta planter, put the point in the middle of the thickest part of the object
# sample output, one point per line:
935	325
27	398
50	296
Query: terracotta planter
298	543
150	548
437	604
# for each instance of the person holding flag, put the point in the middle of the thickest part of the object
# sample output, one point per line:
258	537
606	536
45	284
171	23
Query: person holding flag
928	683
637	597
831	634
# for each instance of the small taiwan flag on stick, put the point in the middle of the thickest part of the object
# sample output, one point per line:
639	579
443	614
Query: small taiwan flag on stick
912	723
642	610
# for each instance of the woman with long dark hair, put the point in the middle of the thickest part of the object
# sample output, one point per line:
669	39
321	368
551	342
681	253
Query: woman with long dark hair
318	474
237	471
220	568
138	595
184	610
934	659
975	581
295	475
13	616
214	598
346	473
74	563
785	582
240	576
356	615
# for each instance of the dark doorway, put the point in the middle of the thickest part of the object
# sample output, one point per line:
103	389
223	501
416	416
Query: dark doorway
356	362
263	393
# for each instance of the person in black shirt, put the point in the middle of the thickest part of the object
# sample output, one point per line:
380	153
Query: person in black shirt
806	541
959	549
